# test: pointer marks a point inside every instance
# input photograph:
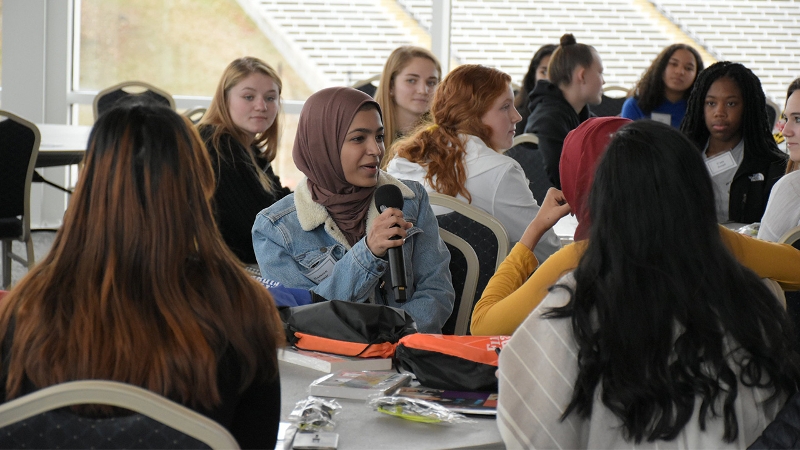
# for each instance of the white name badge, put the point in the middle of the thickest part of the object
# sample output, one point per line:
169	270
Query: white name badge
721	163
661	117
322	270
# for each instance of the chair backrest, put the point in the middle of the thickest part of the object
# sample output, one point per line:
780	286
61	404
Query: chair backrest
37	420
525	137
195	114
368	86
19	147
526	152
773	113
484	233
464	268
107	98
791	237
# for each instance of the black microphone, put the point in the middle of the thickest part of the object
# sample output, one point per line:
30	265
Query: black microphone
389	196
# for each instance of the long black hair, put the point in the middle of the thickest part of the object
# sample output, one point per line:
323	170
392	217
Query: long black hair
662	312
530	78
649	91
756	129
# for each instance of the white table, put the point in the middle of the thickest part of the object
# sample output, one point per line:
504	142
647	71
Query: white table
360	427
62	145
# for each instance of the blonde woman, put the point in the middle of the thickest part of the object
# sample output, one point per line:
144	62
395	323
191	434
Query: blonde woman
406	89
241	130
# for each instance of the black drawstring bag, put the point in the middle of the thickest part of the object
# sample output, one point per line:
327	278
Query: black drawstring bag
346	328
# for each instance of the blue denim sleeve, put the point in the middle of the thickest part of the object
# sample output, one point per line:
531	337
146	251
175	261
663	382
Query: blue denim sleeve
432	301
353	278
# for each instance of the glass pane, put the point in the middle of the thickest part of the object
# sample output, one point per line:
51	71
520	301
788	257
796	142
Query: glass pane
181	46
283	165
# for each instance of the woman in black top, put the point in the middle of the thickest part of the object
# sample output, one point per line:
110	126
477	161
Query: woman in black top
240	130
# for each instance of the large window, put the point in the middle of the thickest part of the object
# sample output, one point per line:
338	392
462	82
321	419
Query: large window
181	46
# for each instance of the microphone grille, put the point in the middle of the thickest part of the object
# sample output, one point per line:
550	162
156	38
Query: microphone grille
388	196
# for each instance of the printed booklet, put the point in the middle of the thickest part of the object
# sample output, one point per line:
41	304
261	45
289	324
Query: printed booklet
481	403
358	385
329	363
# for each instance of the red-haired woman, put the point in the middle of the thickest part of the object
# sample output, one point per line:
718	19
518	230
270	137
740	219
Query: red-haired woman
460	154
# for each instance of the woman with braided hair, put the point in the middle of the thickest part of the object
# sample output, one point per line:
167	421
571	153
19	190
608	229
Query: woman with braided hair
727	119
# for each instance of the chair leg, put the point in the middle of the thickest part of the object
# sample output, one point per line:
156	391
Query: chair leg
6	251
29	246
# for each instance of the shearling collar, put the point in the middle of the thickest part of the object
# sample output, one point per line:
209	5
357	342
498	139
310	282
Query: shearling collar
311	214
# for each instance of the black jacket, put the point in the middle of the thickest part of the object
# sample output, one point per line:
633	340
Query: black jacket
751	187
784	431
239	196
551	119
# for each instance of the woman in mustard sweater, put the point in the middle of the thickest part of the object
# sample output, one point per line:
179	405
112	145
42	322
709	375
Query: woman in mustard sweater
518	286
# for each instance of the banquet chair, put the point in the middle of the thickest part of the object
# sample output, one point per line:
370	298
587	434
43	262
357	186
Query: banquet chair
107	98
791	237
526	152
611	105
484	233
42	419
367	86
19	147
195	114
464	273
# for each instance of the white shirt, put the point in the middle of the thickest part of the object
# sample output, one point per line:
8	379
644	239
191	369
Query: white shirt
497	185
722	181
783	208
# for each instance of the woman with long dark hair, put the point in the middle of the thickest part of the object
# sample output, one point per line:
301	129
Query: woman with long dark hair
659	337
520	283
537	70
727	119
139	286
662	91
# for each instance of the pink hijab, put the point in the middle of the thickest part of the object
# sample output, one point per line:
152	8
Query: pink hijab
323	125
582	150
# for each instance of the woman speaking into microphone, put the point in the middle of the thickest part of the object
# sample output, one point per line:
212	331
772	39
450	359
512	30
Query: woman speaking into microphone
329	236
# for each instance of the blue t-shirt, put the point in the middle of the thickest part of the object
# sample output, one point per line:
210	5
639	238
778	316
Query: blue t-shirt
676	111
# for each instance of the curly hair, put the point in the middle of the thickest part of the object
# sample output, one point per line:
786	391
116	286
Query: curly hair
756	129
461	100
649	90
663	314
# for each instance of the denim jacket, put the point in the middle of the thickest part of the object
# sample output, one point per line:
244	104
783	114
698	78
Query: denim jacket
298	244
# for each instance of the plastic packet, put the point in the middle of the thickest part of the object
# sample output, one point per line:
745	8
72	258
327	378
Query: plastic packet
416	410
750	229
315	414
